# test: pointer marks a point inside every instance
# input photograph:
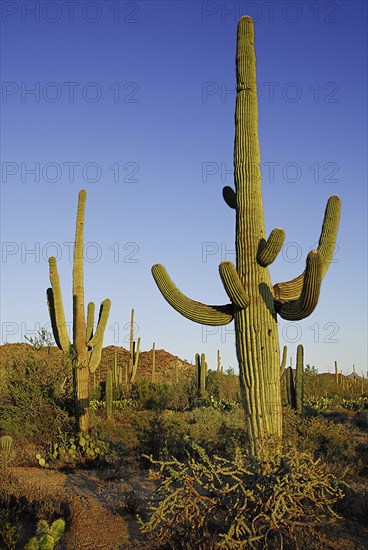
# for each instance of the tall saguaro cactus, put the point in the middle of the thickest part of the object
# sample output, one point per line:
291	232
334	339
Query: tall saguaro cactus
87	344
254	301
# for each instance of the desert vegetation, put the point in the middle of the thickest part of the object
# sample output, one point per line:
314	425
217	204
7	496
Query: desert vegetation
173	458
114	448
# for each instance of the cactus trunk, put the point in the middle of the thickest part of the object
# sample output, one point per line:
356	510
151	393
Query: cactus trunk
257	342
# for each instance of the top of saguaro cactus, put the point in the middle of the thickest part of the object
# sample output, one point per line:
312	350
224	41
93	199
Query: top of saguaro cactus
292	300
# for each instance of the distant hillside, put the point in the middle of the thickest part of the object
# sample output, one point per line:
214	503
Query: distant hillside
167	365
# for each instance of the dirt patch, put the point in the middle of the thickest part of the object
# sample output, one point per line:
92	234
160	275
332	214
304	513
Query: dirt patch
102	511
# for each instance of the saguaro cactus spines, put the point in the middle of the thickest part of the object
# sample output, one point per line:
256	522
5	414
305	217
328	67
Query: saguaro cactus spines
87	345
254	302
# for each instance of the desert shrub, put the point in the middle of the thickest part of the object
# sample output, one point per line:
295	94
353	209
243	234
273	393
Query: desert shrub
8	531
217	431
162	396
245	502
335	444
164	436
223	387
32	400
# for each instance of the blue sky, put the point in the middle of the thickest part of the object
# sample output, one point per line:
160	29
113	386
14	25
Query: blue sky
134	101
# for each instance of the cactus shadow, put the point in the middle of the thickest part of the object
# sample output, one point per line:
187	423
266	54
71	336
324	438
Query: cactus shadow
268	298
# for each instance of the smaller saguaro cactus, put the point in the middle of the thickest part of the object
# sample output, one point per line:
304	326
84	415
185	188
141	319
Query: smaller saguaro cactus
108	394
219	368
201	373
86	347
115	369
299	379
133	352
290	388
295	389
48	536
283	361
153	367
336	373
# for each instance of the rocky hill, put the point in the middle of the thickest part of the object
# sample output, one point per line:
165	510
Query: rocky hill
168	366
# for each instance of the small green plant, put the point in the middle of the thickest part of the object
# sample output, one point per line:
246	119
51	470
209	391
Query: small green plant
47	536
315	406
355	404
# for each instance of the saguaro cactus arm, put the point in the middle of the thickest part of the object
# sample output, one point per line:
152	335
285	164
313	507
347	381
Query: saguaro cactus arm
229	196
295	310
232	284
291	290
268	250
195	311
56	309
101	324
95	342
90	320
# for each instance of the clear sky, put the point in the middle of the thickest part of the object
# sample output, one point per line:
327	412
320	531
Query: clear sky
134	101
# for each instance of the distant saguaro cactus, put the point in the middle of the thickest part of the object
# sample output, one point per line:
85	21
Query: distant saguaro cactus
254	301
201	373
153	366
108	393
87	344
295	389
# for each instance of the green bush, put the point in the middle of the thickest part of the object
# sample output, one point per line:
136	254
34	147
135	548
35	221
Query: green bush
34	399
240	503
335	444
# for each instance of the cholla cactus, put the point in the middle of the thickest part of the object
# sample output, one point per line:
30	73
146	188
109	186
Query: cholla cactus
87	344
254	301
